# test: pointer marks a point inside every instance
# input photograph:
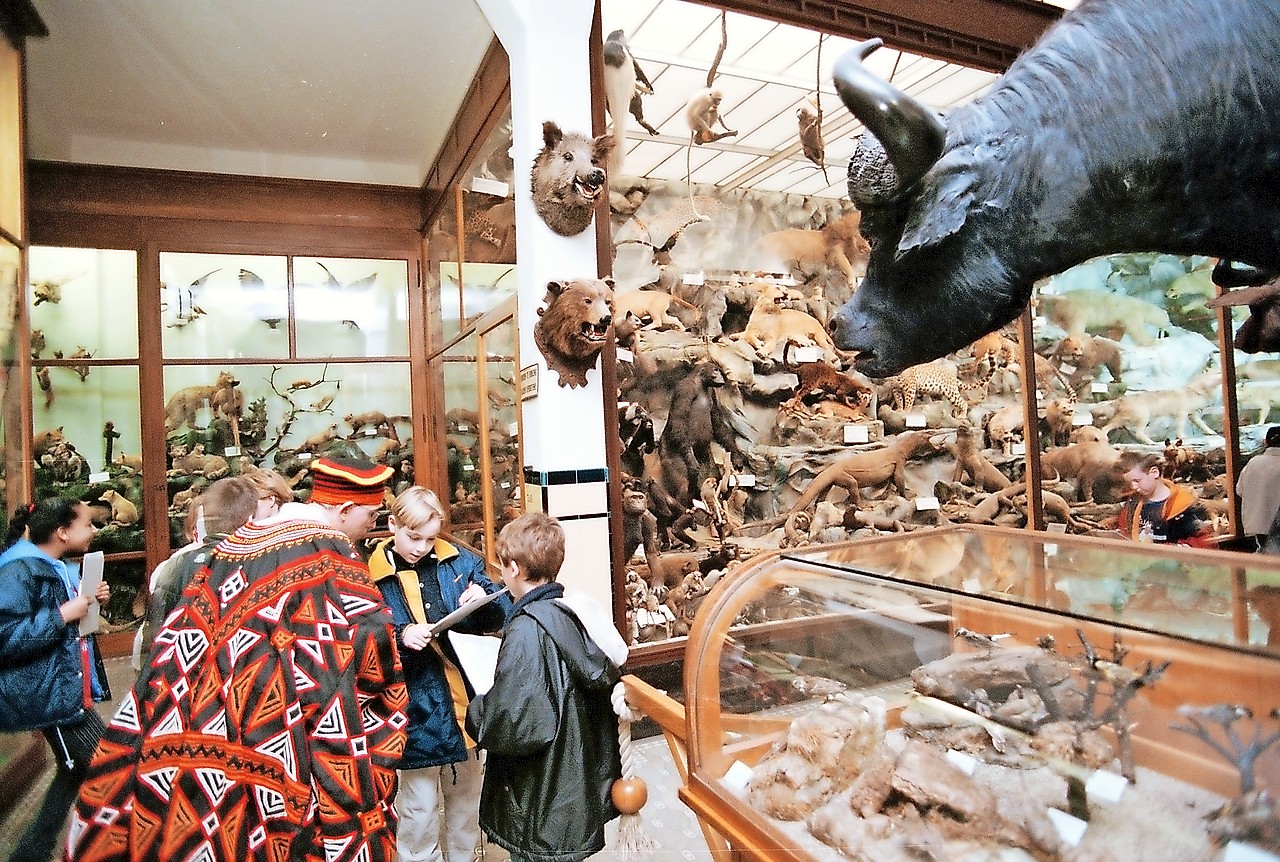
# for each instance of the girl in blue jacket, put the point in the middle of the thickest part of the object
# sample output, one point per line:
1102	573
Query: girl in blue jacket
422	577
49	675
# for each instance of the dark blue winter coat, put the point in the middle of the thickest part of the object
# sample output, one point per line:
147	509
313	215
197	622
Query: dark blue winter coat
41	671
435	712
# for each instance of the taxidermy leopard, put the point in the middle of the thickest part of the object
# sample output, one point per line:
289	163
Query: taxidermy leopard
931	378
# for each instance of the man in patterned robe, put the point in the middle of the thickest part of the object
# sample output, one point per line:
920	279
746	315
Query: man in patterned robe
269	720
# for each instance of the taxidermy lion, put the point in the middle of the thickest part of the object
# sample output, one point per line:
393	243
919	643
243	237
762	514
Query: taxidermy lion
771	326
186	403
806	253
572	330
568	178
653	304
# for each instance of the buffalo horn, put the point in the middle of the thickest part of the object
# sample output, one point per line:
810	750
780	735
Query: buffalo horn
912	135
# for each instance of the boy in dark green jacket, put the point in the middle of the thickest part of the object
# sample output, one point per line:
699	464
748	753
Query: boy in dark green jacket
547	723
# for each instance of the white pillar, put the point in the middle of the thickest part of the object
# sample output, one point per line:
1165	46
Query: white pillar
547	42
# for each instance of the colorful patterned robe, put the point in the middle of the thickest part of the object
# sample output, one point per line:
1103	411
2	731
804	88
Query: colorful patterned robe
269	721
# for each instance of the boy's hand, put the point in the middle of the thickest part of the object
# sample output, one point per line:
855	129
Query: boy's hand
471	594
417	636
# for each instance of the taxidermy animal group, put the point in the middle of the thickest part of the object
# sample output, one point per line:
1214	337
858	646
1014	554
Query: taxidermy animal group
1129	127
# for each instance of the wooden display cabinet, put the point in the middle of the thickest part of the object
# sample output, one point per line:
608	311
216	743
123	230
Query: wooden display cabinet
1145	638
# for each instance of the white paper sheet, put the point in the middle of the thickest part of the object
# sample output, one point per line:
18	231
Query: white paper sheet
478	655
90	578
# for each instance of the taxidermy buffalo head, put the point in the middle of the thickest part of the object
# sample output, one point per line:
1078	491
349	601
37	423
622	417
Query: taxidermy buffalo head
1129	127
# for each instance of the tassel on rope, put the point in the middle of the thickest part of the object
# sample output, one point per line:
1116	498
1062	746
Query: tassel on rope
629	793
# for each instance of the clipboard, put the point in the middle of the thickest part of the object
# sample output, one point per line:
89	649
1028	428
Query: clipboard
451	619
90	577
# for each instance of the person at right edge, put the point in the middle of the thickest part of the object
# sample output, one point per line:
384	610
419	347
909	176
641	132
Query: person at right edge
546	724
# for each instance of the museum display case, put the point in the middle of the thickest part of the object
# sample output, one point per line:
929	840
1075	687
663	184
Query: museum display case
974	690
482	422
258	360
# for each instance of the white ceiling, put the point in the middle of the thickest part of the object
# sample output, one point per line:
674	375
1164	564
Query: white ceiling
317	89
365	92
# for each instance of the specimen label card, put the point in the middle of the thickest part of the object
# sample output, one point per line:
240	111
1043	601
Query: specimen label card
1070	829
1107	786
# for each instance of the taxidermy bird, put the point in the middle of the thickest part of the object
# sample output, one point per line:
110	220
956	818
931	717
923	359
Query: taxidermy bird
251	280
47	291
619	88
188	307
809	118
359	283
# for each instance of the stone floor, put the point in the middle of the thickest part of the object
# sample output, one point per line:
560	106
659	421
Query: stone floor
666	819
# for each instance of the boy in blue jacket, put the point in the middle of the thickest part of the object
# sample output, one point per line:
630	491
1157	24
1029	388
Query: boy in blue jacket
422	577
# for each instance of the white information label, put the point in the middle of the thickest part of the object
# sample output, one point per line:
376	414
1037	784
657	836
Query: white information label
1067	368
695	278
304	456
1107	786
856	434
743	480
625	355
1018	448
808	353
916	420
926	504
971	585
1098	387
738	777
966	763
1070	829
1081	419
231	451
1238	851
1055	528
95	478
467	468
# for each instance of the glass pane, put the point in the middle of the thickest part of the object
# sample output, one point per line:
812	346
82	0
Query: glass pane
84	303
10	410
485	286
10	139
224	306
220	421
1129	339
351	307
462	427
502	401
87	444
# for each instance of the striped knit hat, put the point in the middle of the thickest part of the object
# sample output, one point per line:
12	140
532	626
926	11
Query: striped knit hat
338	480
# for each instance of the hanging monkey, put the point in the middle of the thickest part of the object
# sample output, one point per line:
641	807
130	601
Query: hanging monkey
811	142
809	117
702	111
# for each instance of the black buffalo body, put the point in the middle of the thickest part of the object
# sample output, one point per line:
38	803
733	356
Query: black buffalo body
1131	126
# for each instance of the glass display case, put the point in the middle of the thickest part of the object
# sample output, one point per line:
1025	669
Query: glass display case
482	427
983	693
